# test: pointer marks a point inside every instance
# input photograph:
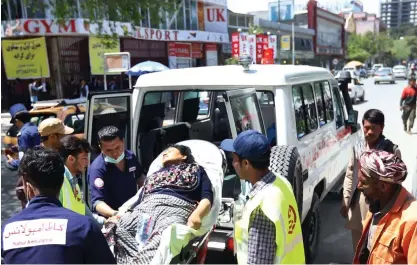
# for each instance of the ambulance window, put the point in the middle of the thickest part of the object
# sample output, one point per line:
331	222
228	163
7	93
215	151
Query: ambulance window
339	108
324	102
194	99
159	109
305	109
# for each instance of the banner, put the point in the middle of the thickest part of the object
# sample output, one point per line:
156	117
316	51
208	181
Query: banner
235	45
252	47
243	43
25	59
259	48
97	47
272	42
197	50
285	42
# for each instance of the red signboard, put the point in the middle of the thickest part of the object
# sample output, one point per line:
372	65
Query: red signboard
259	48
182	49
197	50
171	49
268	57
235	44
211	47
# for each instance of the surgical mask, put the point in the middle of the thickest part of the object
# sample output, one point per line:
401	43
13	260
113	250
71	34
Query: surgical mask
114	161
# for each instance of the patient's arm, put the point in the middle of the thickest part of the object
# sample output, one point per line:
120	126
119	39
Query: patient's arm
203	208
104	209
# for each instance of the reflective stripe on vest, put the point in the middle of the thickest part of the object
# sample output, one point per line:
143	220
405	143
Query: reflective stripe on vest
278	203
68	199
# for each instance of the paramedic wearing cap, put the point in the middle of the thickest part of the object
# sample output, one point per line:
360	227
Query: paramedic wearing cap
114	176
45	232
269	231
28	136
52	130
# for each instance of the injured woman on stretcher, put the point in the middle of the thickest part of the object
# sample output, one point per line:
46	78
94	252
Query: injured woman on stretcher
178	192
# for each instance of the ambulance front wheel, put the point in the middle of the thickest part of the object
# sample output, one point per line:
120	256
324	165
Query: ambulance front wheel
311	230
286	161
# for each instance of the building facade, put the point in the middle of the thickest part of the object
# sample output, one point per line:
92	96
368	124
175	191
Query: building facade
365	22
189	37
397	12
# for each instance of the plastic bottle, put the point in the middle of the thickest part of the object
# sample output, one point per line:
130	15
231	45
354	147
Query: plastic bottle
144	229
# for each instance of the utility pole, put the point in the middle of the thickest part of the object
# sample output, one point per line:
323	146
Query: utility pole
279	33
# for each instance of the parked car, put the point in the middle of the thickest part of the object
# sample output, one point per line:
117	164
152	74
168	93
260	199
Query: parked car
400	71
384	74
314	132
356	90
71	112
376	66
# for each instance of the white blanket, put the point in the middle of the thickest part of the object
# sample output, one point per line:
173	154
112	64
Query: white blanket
176	236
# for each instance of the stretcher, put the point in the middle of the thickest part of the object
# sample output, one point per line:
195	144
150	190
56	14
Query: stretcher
182	244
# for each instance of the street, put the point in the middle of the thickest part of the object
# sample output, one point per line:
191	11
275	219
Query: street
335	243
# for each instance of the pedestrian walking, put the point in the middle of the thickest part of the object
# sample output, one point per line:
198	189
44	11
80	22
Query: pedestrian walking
51	131
269	231
45	232
408	104
390	228
115	175
354	208
84	90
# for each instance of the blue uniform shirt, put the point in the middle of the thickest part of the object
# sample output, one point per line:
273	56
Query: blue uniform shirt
29	137
47	233
110	185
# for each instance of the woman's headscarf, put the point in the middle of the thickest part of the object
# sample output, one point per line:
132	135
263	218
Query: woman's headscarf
383	165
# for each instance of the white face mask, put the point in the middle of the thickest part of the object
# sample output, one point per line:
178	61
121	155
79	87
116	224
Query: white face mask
114	161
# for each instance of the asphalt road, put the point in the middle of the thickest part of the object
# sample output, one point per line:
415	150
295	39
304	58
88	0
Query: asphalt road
335	241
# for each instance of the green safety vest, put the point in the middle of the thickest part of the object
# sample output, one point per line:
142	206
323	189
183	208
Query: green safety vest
278	203
68	199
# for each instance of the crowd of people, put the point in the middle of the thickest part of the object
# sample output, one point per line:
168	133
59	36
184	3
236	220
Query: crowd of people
379	211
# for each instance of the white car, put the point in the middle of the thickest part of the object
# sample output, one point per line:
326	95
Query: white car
356	90
384	75
376	67
400	71
300	108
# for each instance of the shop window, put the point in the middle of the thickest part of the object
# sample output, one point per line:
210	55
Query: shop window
180	18
324	102
305	110
4	12
232	19
241	22
194	12
15	9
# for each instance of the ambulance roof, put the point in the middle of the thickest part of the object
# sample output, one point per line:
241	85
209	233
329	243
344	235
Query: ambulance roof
234	75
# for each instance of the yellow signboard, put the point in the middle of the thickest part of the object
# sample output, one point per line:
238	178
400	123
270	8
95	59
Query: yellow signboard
25	59
286	42
98	47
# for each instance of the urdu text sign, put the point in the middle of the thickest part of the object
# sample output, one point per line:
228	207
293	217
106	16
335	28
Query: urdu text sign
98	47
26	58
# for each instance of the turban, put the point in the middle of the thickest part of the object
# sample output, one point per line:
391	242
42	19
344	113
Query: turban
384	166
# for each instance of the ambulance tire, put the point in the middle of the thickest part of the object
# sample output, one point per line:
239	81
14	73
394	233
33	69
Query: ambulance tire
311	230
286	161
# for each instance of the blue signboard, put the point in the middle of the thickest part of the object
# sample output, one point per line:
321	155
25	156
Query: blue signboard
286	10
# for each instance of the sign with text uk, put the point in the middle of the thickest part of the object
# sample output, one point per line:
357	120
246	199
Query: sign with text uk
25	59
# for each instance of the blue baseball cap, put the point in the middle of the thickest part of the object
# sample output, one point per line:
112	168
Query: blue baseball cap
16	108
250	144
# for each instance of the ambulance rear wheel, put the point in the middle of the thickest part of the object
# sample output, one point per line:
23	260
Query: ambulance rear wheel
286	161
311	230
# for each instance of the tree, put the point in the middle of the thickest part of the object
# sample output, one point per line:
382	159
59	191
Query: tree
357	48
383	46
406	29
255	29
412	45
400	50
95	11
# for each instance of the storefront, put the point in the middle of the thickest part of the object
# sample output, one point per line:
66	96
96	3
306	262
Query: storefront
73	51
329	40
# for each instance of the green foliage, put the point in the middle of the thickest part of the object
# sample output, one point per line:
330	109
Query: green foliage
255	29
400	49
412	45
362	47
231	61
407	29
357	48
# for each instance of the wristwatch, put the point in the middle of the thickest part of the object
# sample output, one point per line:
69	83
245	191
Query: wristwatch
115	213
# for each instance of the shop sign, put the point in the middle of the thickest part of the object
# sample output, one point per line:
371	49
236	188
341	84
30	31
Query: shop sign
285	42
97	48
178	49
252	47
197	50
49	27
259	48
25	59
215	18
235	45
243	43
272	42
211	47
